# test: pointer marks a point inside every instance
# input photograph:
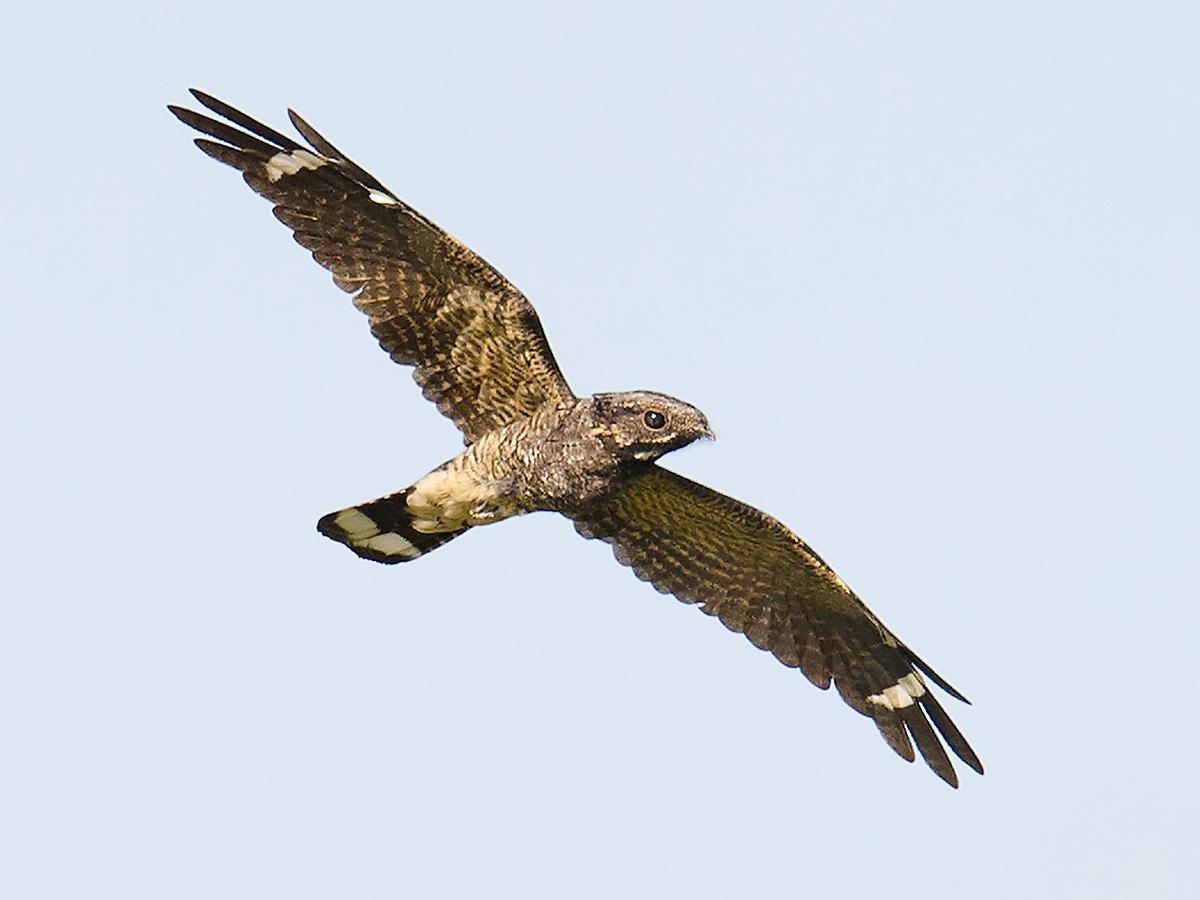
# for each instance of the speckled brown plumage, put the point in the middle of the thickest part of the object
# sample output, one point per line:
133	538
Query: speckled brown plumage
476	342
742	566
479	352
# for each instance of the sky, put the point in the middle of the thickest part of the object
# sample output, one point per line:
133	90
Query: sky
931	271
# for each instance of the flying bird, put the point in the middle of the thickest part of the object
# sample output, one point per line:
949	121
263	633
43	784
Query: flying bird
479	352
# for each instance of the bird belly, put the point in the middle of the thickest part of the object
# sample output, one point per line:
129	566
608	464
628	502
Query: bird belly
454	497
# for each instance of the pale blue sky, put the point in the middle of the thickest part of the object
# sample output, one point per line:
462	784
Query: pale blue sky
931	271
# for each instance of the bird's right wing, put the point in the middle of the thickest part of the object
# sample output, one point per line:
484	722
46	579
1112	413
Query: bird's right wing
742	566
476	342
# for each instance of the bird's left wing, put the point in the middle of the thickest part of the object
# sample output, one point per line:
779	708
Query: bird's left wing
744	567
477	345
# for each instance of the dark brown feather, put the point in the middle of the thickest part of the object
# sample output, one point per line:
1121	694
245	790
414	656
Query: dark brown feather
476	343
760	579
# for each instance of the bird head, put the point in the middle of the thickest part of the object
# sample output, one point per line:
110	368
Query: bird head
643	425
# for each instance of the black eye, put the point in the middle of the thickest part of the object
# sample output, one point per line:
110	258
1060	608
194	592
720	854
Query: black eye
654	419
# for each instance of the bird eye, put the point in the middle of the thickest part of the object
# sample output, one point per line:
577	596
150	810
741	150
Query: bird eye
654	419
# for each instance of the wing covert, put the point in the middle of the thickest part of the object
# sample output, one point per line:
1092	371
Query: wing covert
476	343
747	569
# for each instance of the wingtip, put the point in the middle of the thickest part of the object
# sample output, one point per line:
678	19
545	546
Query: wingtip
933	676
207	100
950	778
310	134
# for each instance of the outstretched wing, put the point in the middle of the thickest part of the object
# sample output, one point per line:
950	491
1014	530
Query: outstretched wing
477	345
737	563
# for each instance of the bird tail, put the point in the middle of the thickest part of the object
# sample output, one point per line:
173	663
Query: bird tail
382	530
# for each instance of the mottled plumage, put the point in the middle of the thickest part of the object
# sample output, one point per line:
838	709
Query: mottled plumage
479	352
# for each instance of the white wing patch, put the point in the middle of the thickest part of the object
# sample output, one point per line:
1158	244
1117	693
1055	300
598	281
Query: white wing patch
383	199
901	694
284	163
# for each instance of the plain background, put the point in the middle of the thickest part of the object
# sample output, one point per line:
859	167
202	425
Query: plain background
929	268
